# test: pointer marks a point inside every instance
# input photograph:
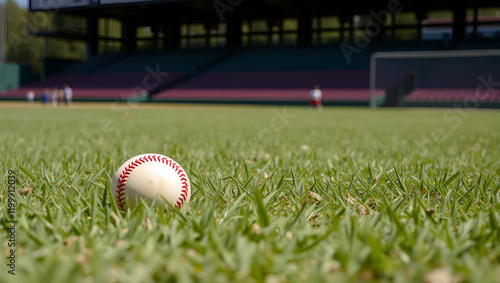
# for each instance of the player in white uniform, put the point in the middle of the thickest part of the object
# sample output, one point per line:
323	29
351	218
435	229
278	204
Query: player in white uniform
31	97
53	97
315	98
68	94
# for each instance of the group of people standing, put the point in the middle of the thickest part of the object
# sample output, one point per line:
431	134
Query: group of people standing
65	95
56	96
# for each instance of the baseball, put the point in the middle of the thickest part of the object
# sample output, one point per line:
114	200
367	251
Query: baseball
150	176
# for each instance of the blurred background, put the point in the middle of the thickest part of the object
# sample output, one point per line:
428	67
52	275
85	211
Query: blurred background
253	52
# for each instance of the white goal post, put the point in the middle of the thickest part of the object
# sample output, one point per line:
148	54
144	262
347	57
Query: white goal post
421	54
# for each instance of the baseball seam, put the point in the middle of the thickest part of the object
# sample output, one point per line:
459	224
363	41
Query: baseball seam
122	180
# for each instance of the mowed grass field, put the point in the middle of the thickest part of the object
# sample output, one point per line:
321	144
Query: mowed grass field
278	194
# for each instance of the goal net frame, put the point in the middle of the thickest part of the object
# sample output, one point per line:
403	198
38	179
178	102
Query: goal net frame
421	54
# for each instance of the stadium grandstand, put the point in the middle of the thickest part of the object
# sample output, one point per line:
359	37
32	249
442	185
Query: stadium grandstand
270	51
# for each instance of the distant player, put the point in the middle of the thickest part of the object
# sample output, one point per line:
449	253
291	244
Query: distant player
53	96
31	97
315	98
60	96
45	97
68	94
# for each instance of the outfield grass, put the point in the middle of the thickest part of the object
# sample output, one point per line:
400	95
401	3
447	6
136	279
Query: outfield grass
343	195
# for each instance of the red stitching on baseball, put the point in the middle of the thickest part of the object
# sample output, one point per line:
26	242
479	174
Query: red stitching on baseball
122	181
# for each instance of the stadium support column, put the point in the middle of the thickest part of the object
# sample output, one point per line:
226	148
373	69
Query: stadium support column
172	35
92	23
129	35
377	26
305	26
474	32
459	17
420	15
343	21
234	30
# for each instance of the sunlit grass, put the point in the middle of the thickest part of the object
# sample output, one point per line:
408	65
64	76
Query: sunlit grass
279	195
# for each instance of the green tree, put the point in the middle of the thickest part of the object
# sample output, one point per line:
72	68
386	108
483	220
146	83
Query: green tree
22	47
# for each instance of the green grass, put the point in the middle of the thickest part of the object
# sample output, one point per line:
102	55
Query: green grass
345	195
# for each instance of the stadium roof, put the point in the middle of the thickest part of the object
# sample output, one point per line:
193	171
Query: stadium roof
207	10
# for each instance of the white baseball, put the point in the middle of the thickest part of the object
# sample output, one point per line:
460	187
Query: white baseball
150	176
